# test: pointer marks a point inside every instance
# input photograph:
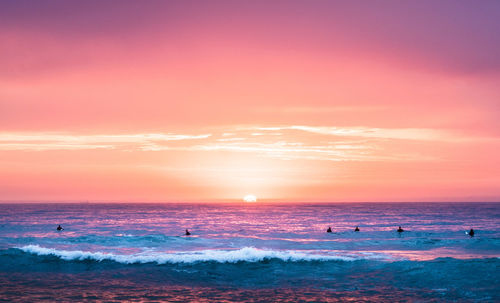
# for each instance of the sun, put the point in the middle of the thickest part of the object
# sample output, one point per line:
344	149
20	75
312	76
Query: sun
250	198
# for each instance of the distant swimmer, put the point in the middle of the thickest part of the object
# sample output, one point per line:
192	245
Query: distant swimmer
329	230
356	229
400	230
59	228
471	232
187	233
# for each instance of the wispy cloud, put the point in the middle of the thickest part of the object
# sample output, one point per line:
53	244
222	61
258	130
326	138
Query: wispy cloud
289	142
326	152
50	141
369	132
52	146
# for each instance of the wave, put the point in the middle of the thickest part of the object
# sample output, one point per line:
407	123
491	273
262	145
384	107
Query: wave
246	254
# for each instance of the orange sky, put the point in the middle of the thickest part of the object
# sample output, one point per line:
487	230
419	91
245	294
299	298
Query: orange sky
286	100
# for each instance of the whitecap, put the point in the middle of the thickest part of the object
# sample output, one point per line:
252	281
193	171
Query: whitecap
245	254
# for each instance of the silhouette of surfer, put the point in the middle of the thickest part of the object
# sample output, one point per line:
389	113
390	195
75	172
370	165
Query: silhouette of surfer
356	229
400	230
471	232
59	228
329	230
187	233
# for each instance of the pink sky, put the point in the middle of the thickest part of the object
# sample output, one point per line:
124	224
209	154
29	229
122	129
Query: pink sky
214	100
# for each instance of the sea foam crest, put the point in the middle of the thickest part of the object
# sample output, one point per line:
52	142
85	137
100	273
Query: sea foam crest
247	254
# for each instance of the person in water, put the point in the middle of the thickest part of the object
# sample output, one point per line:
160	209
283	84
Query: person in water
400	230
471	232
187	233
356	229
329	230
59	228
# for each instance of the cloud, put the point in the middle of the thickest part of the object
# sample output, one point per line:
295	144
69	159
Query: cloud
422	134
50	141
287	142
387	133
325	152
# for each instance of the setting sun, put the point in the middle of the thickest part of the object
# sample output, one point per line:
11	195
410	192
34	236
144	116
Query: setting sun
250	198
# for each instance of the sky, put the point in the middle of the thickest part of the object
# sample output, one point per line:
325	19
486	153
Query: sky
172	101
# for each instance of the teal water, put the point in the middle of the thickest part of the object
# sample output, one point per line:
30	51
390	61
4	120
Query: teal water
250	252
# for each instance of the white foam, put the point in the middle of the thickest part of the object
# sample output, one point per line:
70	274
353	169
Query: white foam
247	254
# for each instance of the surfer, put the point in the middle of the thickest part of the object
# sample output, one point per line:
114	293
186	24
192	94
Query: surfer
400	230
471	232
187	233
59	228
356	229
329	230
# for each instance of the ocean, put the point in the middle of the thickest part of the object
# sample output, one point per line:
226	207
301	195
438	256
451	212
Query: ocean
254	252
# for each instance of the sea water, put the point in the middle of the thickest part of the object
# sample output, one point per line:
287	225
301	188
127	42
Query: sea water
250	252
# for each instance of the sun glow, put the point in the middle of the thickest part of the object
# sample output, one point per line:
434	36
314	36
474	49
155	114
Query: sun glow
250	198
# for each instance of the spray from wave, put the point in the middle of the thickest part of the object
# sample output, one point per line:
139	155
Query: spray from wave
245	254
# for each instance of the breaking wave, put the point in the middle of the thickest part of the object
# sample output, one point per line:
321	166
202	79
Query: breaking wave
246	254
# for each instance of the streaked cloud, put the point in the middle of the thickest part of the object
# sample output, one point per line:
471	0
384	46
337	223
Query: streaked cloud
51	141
386	133
324	143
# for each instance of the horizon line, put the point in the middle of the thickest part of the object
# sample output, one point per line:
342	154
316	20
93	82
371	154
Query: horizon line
227	201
